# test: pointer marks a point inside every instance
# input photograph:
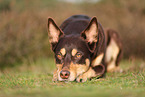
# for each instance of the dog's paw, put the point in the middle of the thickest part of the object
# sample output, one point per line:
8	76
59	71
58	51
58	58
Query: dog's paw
81	78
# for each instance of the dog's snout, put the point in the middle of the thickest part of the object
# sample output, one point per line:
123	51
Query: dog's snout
64	74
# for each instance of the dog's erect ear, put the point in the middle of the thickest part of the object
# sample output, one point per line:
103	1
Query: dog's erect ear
54	32
90	34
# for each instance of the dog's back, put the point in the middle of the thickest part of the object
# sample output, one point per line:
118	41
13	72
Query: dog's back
75	24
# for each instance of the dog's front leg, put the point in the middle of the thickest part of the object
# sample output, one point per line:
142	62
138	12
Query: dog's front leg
87	75
95	71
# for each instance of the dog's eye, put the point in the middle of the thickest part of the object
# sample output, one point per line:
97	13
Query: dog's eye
78	55
59	56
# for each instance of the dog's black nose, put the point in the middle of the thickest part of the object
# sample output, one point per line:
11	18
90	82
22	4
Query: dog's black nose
64	74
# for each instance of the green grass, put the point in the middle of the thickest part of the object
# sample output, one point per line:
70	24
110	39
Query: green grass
36	81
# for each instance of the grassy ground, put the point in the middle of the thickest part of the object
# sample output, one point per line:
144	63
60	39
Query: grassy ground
35	80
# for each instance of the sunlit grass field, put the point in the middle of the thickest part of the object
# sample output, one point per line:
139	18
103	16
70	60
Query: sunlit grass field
34	79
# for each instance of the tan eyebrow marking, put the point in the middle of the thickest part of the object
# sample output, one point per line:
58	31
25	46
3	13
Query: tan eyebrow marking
74	51
63	51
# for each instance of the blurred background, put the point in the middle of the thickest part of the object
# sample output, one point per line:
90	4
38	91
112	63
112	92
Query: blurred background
23	26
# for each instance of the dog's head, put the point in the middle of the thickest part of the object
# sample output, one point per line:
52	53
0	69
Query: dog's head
72	52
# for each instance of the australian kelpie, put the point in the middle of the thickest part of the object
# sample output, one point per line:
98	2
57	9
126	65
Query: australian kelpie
82	49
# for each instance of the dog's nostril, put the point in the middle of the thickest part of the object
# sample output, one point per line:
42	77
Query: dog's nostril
81	80
64	74
61	74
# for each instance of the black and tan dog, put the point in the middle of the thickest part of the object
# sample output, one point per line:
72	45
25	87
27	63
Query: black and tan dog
80	49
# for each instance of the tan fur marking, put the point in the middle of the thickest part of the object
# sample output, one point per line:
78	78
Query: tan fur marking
77	69
111	55
87	62
97	60
74	51
90	73
81	68
59	66
111	67
53	33
63	51
72	72
114	69
87	75
56	75
91	33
